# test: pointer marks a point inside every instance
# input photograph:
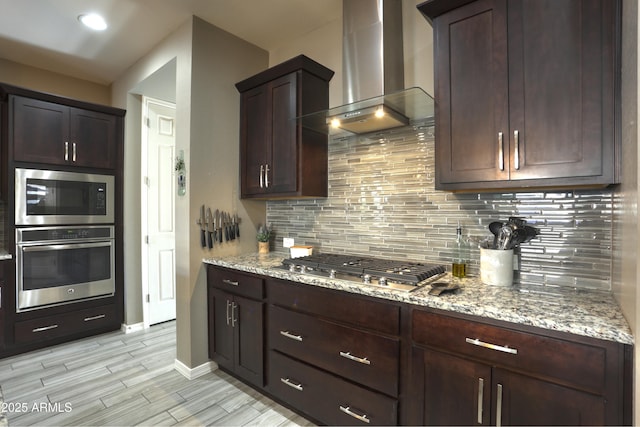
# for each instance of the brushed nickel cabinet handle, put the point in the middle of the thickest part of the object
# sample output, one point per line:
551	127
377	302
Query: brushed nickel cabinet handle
230	282
480	398
290	335
261	176
516	154
234	318
347	410
500	151
350	356
288	382
44	328
266	176
99	316
503	349
228	317
66	151
499	407
73	155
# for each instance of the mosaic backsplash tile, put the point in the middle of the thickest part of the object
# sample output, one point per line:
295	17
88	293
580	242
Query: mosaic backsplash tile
382	202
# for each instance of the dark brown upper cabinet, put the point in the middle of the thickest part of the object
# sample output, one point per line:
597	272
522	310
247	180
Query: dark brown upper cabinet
279	158
57	134
527	93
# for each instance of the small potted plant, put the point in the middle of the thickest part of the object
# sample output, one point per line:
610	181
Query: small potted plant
263	236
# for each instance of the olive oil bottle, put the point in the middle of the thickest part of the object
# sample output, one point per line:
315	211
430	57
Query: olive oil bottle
460	255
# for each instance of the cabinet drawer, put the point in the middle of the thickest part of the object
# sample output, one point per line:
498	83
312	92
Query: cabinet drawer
50	327
578	364
235	282
327	398
337	305
363	357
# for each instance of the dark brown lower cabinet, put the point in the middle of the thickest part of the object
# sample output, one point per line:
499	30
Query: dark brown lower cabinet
42	329
235	335
326	397
470	372
339	358
458	391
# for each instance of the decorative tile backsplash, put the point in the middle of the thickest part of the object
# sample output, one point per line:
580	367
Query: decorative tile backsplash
382	202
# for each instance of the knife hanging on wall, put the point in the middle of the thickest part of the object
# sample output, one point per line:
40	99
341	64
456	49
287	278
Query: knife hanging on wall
203	225
209	228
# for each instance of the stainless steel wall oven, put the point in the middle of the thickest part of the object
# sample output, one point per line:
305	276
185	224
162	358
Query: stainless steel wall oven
57	265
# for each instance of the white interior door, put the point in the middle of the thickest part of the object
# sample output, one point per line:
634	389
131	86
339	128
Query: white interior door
160	188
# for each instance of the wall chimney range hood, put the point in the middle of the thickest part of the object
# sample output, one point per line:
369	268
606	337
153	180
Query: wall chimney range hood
373	75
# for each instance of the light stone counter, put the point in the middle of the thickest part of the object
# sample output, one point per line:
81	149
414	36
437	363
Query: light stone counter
594	314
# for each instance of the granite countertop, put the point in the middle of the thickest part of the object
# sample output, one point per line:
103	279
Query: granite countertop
593	314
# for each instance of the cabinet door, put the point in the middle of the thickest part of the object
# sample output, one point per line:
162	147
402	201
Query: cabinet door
522	400
283	166
561	89
456	390
472	93
248	321
93	139
255	128
220	328
40	131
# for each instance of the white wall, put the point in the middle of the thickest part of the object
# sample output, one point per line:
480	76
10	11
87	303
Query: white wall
324	45
50	82
208	62
625	267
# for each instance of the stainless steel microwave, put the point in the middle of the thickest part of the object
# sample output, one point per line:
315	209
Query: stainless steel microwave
46	197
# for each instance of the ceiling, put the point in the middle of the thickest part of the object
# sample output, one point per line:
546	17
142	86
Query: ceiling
46	33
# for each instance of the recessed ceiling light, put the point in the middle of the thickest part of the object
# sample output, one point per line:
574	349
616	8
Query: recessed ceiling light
93	21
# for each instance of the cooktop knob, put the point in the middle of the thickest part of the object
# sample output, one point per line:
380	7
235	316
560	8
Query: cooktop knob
332	274
382	281
366	278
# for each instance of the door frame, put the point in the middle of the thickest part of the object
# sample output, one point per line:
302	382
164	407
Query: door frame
144	208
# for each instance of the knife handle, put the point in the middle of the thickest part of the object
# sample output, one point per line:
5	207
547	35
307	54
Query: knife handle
203	240
210	239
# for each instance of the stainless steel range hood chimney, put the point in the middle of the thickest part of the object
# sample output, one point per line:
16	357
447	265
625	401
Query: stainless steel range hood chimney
373	73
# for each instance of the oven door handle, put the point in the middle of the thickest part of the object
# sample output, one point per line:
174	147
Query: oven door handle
45	246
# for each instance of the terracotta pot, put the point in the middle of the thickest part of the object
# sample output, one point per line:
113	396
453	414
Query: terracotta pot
263	247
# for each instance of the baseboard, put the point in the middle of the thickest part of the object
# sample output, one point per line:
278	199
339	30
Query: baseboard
127	329
198	371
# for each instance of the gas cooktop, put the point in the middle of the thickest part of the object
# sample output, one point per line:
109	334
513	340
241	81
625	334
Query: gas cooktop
393	274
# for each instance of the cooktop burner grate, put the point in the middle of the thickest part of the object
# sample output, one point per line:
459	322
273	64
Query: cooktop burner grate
393	270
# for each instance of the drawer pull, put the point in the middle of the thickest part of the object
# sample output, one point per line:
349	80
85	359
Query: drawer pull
230	282
288	382
350	356
99	316
348	411
290	335
491	346
44	328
